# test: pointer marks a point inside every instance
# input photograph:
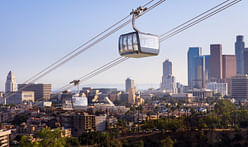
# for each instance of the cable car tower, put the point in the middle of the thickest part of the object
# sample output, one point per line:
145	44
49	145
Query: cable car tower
138	44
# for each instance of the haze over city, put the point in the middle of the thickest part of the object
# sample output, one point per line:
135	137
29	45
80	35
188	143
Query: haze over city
36	33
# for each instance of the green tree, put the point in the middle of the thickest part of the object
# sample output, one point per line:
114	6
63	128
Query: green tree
167	142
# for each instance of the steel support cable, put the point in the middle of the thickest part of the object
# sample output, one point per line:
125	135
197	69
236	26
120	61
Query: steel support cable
82	79
94	43
200	20
193	18
70	53
195	22
40	75
104	66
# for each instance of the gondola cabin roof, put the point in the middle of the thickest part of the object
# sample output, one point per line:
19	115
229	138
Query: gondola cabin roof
138	45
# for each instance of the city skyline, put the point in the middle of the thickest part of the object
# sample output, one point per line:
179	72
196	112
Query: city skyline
28	47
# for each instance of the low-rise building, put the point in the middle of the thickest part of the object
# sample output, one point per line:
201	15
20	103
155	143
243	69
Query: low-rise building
5	138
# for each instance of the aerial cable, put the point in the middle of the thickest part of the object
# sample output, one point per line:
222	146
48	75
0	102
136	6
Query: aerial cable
193	18
163	38
74	53
199	20
101	71
104	66
44	71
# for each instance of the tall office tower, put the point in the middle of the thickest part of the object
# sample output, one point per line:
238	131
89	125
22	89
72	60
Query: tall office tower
129	84
41	91
10	85
239	52
192	53
229	70
167	68
228	66
168	81
240	87
199	80
216	62
207	67
246	60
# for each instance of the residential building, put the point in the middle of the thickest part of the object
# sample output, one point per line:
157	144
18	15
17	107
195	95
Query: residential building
239	52
41	91
101	122
5	138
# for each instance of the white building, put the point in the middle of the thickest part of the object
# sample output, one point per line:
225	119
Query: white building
168	80
221	88
20	97
10	85
101	122
169	84
5	138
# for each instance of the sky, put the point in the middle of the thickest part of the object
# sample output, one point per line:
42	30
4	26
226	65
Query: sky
34	34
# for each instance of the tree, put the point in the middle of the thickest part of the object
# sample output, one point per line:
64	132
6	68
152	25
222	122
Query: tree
51	138
224	106
167	142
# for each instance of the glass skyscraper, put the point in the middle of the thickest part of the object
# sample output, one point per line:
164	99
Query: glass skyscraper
193	52
239	52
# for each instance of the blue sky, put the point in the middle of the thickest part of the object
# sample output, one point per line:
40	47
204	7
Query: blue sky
33	34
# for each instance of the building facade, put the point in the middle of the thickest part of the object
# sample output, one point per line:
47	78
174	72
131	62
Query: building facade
192	53
129	84
5	138
10	85
168	80
240	87
246	60
41	91
216	62
239	52
20	97
221	88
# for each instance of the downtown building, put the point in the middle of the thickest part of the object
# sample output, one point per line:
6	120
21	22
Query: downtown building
198	68
41	91
240	87
10	85
168	80
129	84
239	52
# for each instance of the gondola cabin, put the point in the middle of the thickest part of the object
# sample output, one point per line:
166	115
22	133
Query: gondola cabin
138	45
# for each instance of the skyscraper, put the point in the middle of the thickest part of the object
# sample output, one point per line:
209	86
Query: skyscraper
129	84
10	85
199	80
239	52
216	62
192	53
167	68
228	66
229	70
168	81
246	60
